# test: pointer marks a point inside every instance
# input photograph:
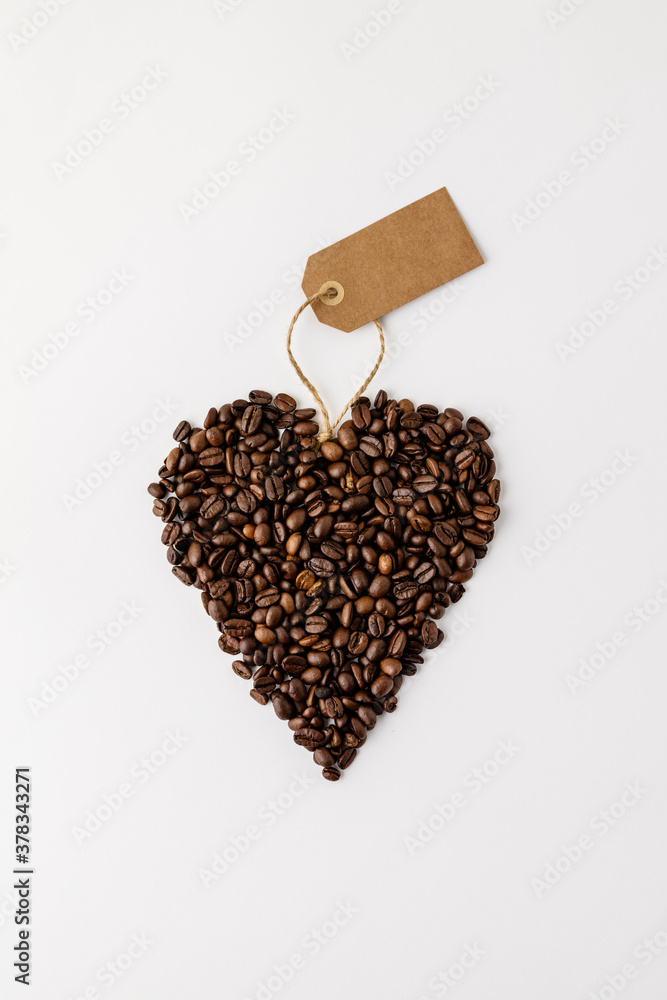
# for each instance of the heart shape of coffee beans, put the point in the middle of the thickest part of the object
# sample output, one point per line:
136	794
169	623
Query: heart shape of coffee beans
325	568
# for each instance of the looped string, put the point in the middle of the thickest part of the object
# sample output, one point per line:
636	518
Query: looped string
328	428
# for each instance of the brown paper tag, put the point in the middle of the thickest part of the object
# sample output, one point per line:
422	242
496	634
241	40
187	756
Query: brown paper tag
392	262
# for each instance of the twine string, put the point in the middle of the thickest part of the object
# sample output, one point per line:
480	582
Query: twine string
328	427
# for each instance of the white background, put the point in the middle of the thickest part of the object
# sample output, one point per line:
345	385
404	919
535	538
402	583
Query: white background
360	101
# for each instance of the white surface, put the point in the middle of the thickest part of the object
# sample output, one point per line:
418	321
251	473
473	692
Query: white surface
523	627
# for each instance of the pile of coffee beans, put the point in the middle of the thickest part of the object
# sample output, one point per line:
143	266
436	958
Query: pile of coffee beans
325	568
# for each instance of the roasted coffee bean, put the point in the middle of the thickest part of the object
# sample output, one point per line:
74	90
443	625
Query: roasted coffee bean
391	666
445	533
182	431
242	669
381	686
431	635
322	567
309	738
284	402
293	664
477	427
405	590
325	571
282	705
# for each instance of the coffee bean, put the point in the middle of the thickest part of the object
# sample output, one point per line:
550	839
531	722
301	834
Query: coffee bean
405	590
381	686
322	567
284	402
424	573
431	635
282	705
182	431
325	571
309	738
477	428
293	664
242	669
316	624
391	666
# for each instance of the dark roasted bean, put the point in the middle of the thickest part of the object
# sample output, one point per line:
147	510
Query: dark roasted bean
242	669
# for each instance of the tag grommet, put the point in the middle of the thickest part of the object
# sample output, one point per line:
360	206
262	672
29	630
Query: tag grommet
331	293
